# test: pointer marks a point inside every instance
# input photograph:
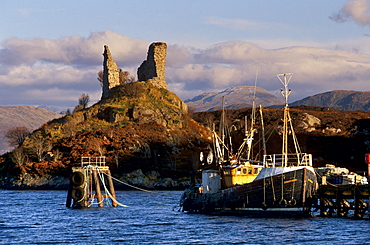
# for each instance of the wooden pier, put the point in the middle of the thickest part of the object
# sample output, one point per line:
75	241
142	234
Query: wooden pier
339	200
91	184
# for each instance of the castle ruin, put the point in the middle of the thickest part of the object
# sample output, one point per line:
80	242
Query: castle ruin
110	72
151	70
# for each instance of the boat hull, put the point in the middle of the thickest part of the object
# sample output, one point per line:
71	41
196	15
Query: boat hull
285	194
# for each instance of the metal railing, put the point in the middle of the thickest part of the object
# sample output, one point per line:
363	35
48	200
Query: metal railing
93	161
287	160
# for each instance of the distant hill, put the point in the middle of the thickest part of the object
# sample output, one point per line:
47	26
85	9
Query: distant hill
235	98
57	109
345	100
22	116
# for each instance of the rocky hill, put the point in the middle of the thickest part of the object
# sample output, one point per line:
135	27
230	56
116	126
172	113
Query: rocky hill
27	116
339	99
235	98
138	126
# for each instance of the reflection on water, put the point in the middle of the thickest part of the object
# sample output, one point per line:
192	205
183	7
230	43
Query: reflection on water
34	217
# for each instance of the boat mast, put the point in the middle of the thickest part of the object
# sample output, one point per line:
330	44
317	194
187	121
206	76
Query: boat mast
253	119
222	128
263	133
285	79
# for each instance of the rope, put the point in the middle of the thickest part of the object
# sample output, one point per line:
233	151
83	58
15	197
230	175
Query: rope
106	189
273	188
127	184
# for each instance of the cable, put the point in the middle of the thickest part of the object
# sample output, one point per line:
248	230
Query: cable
128	184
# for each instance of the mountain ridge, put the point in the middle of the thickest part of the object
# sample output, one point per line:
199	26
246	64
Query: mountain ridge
242	96
27	116
345	100
235	98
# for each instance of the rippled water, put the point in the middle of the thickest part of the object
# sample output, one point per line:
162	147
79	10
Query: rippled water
40	217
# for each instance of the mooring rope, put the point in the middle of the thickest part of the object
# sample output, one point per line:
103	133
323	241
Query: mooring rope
106	189
127	183
273	188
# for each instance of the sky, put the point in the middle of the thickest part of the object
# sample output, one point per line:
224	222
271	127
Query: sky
51	51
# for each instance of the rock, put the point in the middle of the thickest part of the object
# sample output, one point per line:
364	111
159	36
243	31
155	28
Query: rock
309	122
28	182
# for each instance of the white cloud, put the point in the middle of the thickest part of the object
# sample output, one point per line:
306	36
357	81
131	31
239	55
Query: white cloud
56	72
74	50
356	10
44	74
235	63
29	67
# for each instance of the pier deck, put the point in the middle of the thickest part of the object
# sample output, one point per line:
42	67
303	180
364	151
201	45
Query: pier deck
338	200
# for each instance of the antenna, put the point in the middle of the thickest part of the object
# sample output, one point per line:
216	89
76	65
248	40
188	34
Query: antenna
285	79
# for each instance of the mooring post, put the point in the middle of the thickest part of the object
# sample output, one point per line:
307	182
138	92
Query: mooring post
97	189
111	189
69	195
86	183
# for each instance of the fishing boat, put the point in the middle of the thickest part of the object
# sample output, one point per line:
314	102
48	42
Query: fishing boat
281	185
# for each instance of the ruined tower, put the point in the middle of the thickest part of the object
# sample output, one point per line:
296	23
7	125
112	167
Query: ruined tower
110	72
153	68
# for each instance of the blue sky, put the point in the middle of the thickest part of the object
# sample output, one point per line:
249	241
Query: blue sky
50	51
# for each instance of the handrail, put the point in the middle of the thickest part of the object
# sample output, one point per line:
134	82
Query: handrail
279	160
93	161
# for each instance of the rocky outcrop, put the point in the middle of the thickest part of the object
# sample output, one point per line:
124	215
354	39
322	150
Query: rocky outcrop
28	182
309	122
149	180
110	73
153	180
152	69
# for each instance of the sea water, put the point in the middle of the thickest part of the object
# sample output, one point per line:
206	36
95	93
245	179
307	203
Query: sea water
41	217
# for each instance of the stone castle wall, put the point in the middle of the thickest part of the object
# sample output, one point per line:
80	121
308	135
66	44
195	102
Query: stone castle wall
110	73
153	68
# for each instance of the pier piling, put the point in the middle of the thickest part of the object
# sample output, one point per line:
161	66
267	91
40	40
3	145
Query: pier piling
91	184
338	200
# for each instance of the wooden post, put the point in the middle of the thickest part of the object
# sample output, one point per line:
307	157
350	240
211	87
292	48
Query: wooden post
69	195
97	189
111	189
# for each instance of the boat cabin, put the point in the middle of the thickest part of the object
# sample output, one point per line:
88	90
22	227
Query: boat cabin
239	174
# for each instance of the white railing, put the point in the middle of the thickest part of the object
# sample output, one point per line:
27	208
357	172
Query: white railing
93	161
287	160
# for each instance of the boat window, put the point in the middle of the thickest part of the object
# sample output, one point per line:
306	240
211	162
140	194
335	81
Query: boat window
244	170
238	171
250	171
255	171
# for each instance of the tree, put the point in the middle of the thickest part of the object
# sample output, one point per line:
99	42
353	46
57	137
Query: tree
19	157
100	78
94	144
17	135
84	100
124	77
40	146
